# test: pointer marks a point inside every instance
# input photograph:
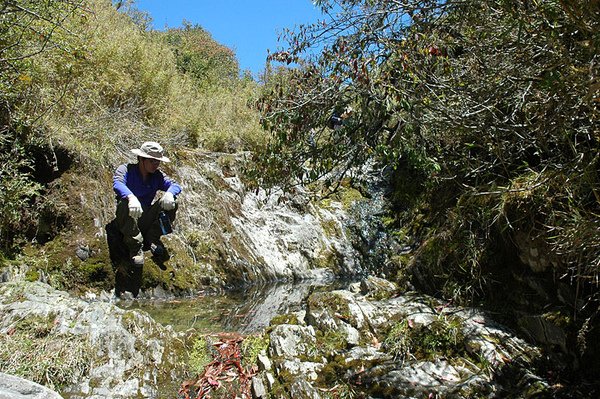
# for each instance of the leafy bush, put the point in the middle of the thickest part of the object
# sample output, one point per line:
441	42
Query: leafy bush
101	78
200	57
17	194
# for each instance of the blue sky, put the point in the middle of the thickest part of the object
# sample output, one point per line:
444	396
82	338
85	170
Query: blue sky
249	27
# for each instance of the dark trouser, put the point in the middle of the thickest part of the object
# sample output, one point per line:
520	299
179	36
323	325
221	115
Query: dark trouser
142	231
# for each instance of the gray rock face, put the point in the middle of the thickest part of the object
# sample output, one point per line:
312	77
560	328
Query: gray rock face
129	354
292	341
12	387
263	236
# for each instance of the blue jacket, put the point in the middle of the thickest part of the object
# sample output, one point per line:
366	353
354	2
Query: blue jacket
128	180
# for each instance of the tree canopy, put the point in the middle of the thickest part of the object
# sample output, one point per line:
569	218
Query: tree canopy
492	103
478	87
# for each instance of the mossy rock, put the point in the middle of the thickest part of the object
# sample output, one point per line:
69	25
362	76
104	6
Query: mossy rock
288	318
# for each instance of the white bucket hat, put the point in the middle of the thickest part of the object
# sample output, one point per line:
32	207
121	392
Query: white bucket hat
151	149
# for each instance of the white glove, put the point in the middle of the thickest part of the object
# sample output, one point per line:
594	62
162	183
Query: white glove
167	202
135	208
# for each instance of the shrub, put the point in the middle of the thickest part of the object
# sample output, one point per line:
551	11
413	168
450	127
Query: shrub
17	193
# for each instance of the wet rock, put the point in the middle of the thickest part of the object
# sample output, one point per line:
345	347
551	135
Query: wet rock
274	300
351	334
327	309
483	348
306	370
544	331
83	252
270	380
301	388
264	363
377	288
534	252
367	354
261	236
418	309
288	242
419	379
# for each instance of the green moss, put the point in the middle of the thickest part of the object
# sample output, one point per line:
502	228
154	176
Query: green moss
442	337
329	260
252	346
287	318
331	228
346	195
285	377
97	271
338	377
32	275
332	373
200	242
332	301
152	275
280	389
200	355
331	341
65	270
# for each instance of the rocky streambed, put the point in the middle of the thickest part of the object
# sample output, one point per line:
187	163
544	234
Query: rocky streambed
364	341
318	337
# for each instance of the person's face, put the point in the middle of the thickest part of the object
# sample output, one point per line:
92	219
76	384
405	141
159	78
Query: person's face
150	165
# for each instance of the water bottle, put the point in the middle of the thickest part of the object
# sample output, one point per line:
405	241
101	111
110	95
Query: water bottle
165	223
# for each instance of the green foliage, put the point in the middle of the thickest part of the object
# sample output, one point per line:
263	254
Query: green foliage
93	82
17	193
199	56
101	78
442	337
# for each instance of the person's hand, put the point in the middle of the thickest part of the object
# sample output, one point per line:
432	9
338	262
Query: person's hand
167	202
135	208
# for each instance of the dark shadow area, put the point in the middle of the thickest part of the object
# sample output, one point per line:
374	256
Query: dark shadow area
127	276
49	163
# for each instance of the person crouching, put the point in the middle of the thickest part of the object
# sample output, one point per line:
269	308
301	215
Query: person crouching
137	217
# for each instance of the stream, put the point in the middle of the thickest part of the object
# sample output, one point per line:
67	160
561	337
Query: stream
244	311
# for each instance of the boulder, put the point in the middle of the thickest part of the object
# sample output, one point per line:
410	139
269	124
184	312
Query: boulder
13	387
